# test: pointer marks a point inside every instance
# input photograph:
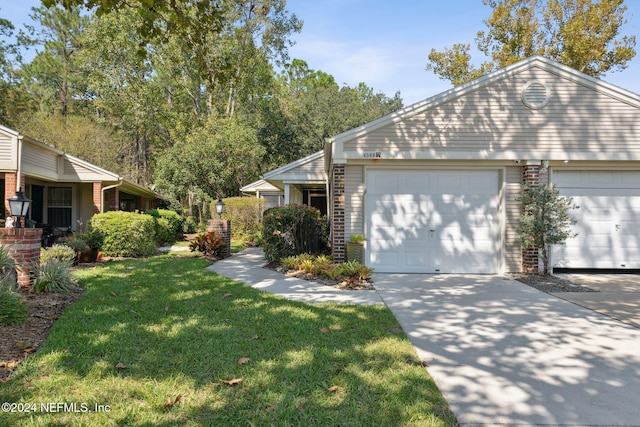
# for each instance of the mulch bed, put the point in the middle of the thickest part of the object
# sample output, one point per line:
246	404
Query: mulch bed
551	284
18	342
347	285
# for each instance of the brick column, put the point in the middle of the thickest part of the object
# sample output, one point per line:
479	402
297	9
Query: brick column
337	218
222	227
97	197
530	257
10	188
24	249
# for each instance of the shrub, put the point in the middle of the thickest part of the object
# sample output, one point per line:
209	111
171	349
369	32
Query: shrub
76	243
190	225
210	244
245	214
92	238
545	220
125	234
323	266
168	224
292	230
8	275
12	311
52	276
61	252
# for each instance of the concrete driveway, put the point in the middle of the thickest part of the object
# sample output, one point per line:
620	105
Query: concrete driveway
618	295
503	353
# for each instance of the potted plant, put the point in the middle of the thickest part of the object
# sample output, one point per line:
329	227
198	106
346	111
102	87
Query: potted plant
355	248
93	241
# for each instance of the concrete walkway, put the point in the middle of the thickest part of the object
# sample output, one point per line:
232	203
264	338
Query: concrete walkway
502	353
618	295
246	267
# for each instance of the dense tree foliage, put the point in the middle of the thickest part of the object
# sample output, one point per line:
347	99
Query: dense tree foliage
583	34
196	98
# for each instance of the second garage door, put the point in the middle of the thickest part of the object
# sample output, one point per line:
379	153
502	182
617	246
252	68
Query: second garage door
608	219
432	221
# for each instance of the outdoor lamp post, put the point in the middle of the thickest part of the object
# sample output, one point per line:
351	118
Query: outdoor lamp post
219	208
19	206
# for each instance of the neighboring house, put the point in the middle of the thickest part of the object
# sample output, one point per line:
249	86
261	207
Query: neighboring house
272	195
434	187
301	182
65	191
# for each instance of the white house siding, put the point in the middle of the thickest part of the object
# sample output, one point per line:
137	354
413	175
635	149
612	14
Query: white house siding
513	248
39	163
79	173
313	168
354	200
7	152
492	122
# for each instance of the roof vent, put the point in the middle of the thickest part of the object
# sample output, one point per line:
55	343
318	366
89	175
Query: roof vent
535	94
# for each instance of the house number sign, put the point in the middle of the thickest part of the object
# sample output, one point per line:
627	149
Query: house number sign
372	154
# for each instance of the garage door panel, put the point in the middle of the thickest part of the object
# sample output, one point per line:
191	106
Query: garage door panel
608	219
435	221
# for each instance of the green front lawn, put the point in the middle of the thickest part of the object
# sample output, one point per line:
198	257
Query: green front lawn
162	341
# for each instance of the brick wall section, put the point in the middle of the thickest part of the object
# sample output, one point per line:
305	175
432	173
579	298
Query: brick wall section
10	187
337	220
24	249
97	197
223	228
530	258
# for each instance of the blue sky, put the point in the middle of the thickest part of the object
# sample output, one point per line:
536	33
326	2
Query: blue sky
384	45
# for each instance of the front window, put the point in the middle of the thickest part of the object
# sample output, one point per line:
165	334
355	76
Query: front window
59	206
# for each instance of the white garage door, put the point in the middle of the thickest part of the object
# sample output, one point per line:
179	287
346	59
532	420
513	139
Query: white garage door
432	221
608	219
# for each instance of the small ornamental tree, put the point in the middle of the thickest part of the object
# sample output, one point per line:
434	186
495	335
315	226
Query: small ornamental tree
545	220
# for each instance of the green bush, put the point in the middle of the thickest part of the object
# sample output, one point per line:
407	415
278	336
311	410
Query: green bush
125	234
8	275
12	311
61	252
292	230
52	276
245	214
210	244
168	224
92	238
76	243
323	266
190	225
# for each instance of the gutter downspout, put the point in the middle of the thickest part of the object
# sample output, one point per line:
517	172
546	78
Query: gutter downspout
120	182
19	164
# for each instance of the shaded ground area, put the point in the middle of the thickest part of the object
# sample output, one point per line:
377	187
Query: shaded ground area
552	284
18	342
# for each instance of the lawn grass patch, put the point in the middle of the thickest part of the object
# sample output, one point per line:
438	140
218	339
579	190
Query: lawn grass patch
163	341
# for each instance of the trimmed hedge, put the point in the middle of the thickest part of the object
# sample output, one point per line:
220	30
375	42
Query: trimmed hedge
168	224
125	234
245	214
293	230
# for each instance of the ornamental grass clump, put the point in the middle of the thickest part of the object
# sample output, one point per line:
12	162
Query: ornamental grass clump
322	266
53	276
12	310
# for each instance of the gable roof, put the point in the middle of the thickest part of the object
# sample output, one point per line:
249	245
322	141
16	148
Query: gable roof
278	173
260	185
334	144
